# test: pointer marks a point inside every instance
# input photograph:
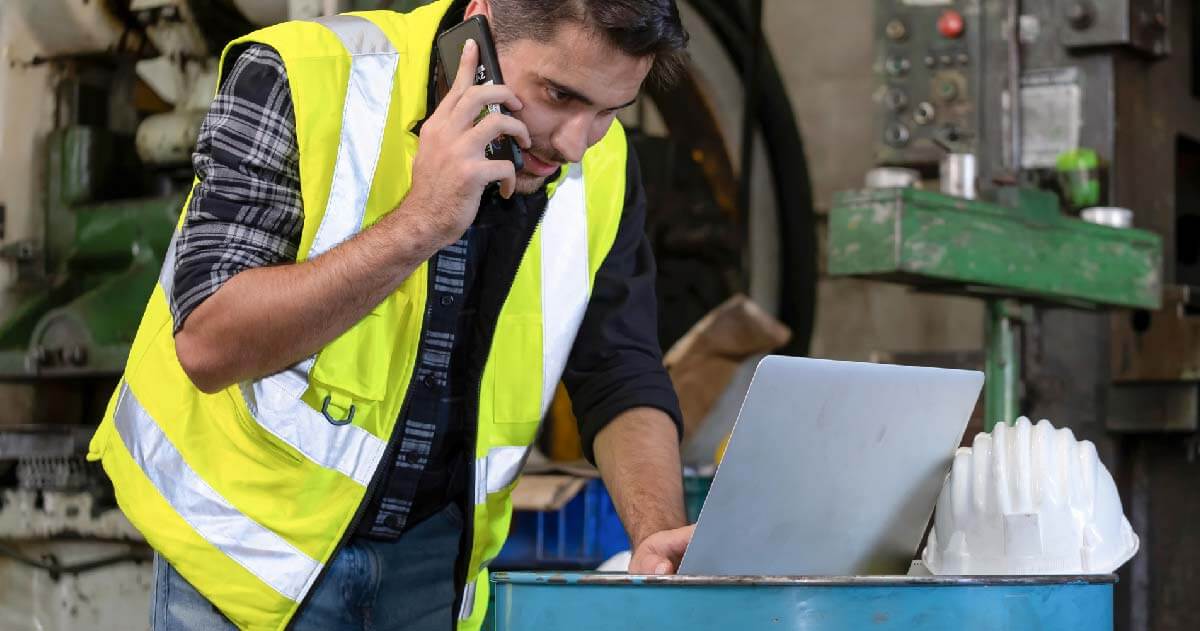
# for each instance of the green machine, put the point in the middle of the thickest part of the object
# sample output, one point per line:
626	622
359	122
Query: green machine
127	112
82	301
1020	250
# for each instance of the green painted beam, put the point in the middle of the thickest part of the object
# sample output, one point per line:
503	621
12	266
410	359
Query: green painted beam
950	245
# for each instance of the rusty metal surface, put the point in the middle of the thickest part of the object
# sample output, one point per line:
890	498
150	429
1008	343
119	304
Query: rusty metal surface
1161	345
1140	24
1162	479
1157	105
1154	407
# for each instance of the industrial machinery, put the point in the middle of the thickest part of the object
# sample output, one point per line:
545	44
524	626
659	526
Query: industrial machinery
1095	326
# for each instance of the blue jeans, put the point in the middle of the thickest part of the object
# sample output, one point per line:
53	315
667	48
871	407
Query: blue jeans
402	585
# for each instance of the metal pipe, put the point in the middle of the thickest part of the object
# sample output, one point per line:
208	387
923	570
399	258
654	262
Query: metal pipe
1014	83
1002	365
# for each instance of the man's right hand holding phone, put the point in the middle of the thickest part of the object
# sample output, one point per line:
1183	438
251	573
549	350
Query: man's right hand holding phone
451	169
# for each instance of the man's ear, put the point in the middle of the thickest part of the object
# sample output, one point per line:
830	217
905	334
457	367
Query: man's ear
478	7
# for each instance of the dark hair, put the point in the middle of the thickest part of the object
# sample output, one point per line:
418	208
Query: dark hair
640	28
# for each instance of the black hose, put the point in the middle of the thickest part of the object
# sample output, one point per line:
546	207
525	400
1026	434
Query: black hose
793	188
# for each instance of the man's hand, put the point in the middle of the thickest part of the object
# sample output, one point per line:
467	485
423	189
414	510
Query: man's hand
661	552
450	169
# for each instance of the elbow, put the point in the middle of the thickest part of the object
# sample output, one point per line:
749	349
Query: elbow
201	362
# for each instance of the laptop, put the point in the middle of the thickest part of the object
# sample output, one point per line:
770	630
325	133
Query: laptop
833	469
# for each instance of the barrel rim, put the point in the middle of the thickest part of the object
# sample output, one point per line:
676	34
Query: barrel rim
620	579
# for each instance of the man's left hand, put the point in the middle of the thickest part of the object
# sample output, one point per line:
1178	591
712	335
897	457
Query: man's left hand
661	552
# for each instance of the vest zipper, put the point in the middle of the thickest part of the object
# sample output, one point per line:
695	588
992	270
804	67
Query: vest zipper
460	580
389	454
469	448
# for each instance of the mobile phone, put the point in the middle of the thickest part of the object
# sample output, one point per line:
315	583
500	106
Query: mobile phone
450	46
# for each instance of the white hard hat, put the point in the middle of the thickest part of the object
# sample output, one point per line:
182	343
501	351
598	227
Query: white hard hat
1029	499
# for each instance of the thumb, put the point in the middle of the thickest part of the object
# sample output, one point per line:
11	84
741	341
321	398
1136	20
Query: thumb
663	568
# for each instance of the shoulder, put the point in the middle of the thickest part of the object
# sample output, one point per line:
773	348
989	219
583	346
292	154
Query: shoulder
255	72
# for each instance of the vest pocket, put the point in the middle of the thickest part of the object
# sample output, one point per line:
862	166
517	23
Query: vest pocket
352	372
262	437
517	365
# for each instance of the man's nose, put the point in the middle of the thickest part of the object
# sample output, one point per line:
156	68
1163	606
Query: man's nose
571	138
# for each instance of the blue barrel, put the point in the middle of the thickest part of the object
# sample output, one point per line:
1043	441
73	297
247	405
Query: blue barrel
595	602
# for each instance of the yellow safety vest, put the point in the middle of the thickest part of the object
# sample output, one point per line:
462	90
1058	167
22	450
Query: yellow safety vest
249	492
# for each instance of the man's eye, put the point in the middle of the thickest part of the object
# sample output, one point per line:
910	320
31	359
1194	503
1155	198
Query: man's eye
556	95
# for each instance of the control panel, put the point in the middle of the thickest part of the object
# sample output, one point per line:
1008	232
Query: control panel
925	62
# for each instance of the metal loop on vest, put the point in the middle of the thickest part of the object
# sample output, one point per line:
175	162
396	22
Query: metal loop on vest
325	410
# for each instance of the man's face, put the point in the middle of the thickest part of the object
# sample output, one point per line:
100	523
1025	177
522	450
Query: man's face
571	89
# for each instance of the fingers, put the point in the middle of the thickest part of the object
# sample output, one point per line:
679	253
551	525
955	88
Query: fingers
671	544
465	78
661	552
651	564
645	562
503	173
476	98
494	125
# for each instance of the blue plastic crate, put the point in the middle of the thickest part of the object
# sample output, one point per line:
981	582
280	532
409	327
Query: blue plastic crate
581	535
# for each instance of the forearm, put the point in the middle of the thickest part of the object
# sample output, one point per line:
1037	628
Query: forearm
638	457
265	319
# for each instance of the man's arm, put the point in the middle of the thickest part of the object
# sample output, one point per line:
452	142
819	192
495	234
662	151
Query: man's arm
627	409
638	457
267	318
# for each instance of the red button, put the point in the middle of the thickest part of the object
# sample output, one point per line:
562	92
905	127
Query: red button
951	24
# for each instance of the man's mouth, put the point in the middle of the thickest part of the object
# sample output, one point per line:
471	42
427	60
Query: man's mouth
537	166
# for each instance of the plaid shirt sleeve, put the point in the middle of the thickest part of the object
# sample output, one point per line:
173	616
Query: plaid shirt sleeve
246	209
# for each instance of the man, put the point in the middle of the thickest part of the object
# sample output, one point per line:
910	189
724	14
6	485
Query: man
362	320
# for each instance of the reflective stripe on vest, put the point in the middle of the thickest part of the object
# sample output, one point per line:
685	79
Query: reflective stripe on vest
468	601
274	401
166	275
497	470
262	552
275	404
565	277
364	118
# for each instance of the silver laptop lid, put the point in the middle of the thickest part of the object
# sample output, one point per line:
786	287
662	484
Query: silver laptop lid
833	469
